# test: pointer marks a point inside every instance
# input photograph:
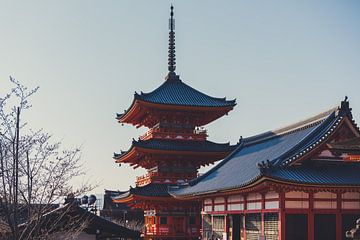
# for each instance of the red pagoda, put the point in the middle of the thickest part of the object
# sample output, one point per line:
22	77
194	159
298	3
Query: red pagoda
172	151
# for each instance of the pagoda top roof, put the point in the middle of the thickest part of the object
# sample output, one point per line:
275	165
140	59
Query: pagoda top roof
175	92
273	154
179	145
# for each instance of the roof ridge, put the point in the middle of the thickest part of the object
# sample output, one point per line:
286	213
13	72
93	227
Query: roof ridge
289	129
317	132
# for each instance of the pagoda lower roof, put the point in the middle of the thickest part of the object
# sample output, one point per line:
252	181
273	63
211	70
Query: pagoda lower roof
179	145
150	190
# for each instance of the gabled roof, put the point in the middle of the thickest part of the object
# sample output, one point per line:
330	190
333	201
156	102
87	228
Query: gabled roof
179	145
352	145
259	155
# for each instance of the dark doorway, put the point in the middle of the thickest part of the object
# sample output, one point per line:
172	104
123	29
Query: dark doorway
296	227
236	223
178	225
348	222
325	227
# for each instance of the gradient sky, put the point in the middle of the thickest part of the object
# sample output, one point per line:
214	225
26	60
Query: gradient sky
282	60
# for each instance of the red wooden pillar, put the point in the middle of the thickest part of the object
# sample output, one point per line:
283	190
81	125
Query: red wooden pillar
281	215
170	224
157	224
244	219
226	225
262	214
338	217
226	230
311	217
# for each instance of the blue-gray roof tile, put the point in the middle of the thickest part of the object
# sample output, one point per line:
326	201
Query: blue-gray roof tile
174	92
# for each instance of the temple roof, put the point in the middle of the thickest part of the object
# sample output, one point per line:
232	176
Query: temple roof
329	175
175	92
58	219
150	190
272	153
179	145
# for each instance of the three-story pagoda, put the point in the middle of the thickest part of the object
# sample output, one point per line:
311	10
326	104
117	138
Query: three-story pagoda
172	150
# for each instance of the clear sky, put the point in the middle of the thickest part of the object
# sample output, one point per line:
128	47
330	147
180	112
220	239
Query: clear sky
282	60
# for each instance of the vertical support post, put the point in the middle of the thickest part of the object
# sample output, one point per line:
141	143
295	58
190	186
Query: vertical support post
311	217
281	215
244	218
170	224
157	225
262	214
212	224
338	217
226	226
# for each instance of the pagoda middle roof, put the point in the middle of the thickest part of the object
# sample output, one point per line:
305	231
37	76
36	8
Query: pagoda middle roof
179	145
175	92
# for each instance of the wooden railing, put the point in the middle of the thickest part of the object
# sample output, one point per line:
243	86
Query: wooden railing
197	135
157	177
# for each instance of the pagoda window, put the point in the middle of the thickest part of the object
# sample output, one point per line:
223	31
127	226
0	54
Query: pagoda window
163	220
235	203
296	199
350	200
192	220
254	201
208	205
219	204
271	200
325	200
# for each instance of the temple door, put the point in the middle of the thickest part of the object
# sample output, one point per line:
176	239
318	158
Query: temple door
325	227
296	227
178	224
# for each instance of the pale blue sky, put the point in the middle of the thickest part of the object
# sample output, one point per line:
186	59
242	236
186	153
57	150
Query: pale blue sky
282	60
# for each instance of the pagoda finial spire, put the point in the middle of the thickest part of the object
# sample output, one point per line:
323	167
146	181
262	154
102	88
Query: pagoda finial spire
171	59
